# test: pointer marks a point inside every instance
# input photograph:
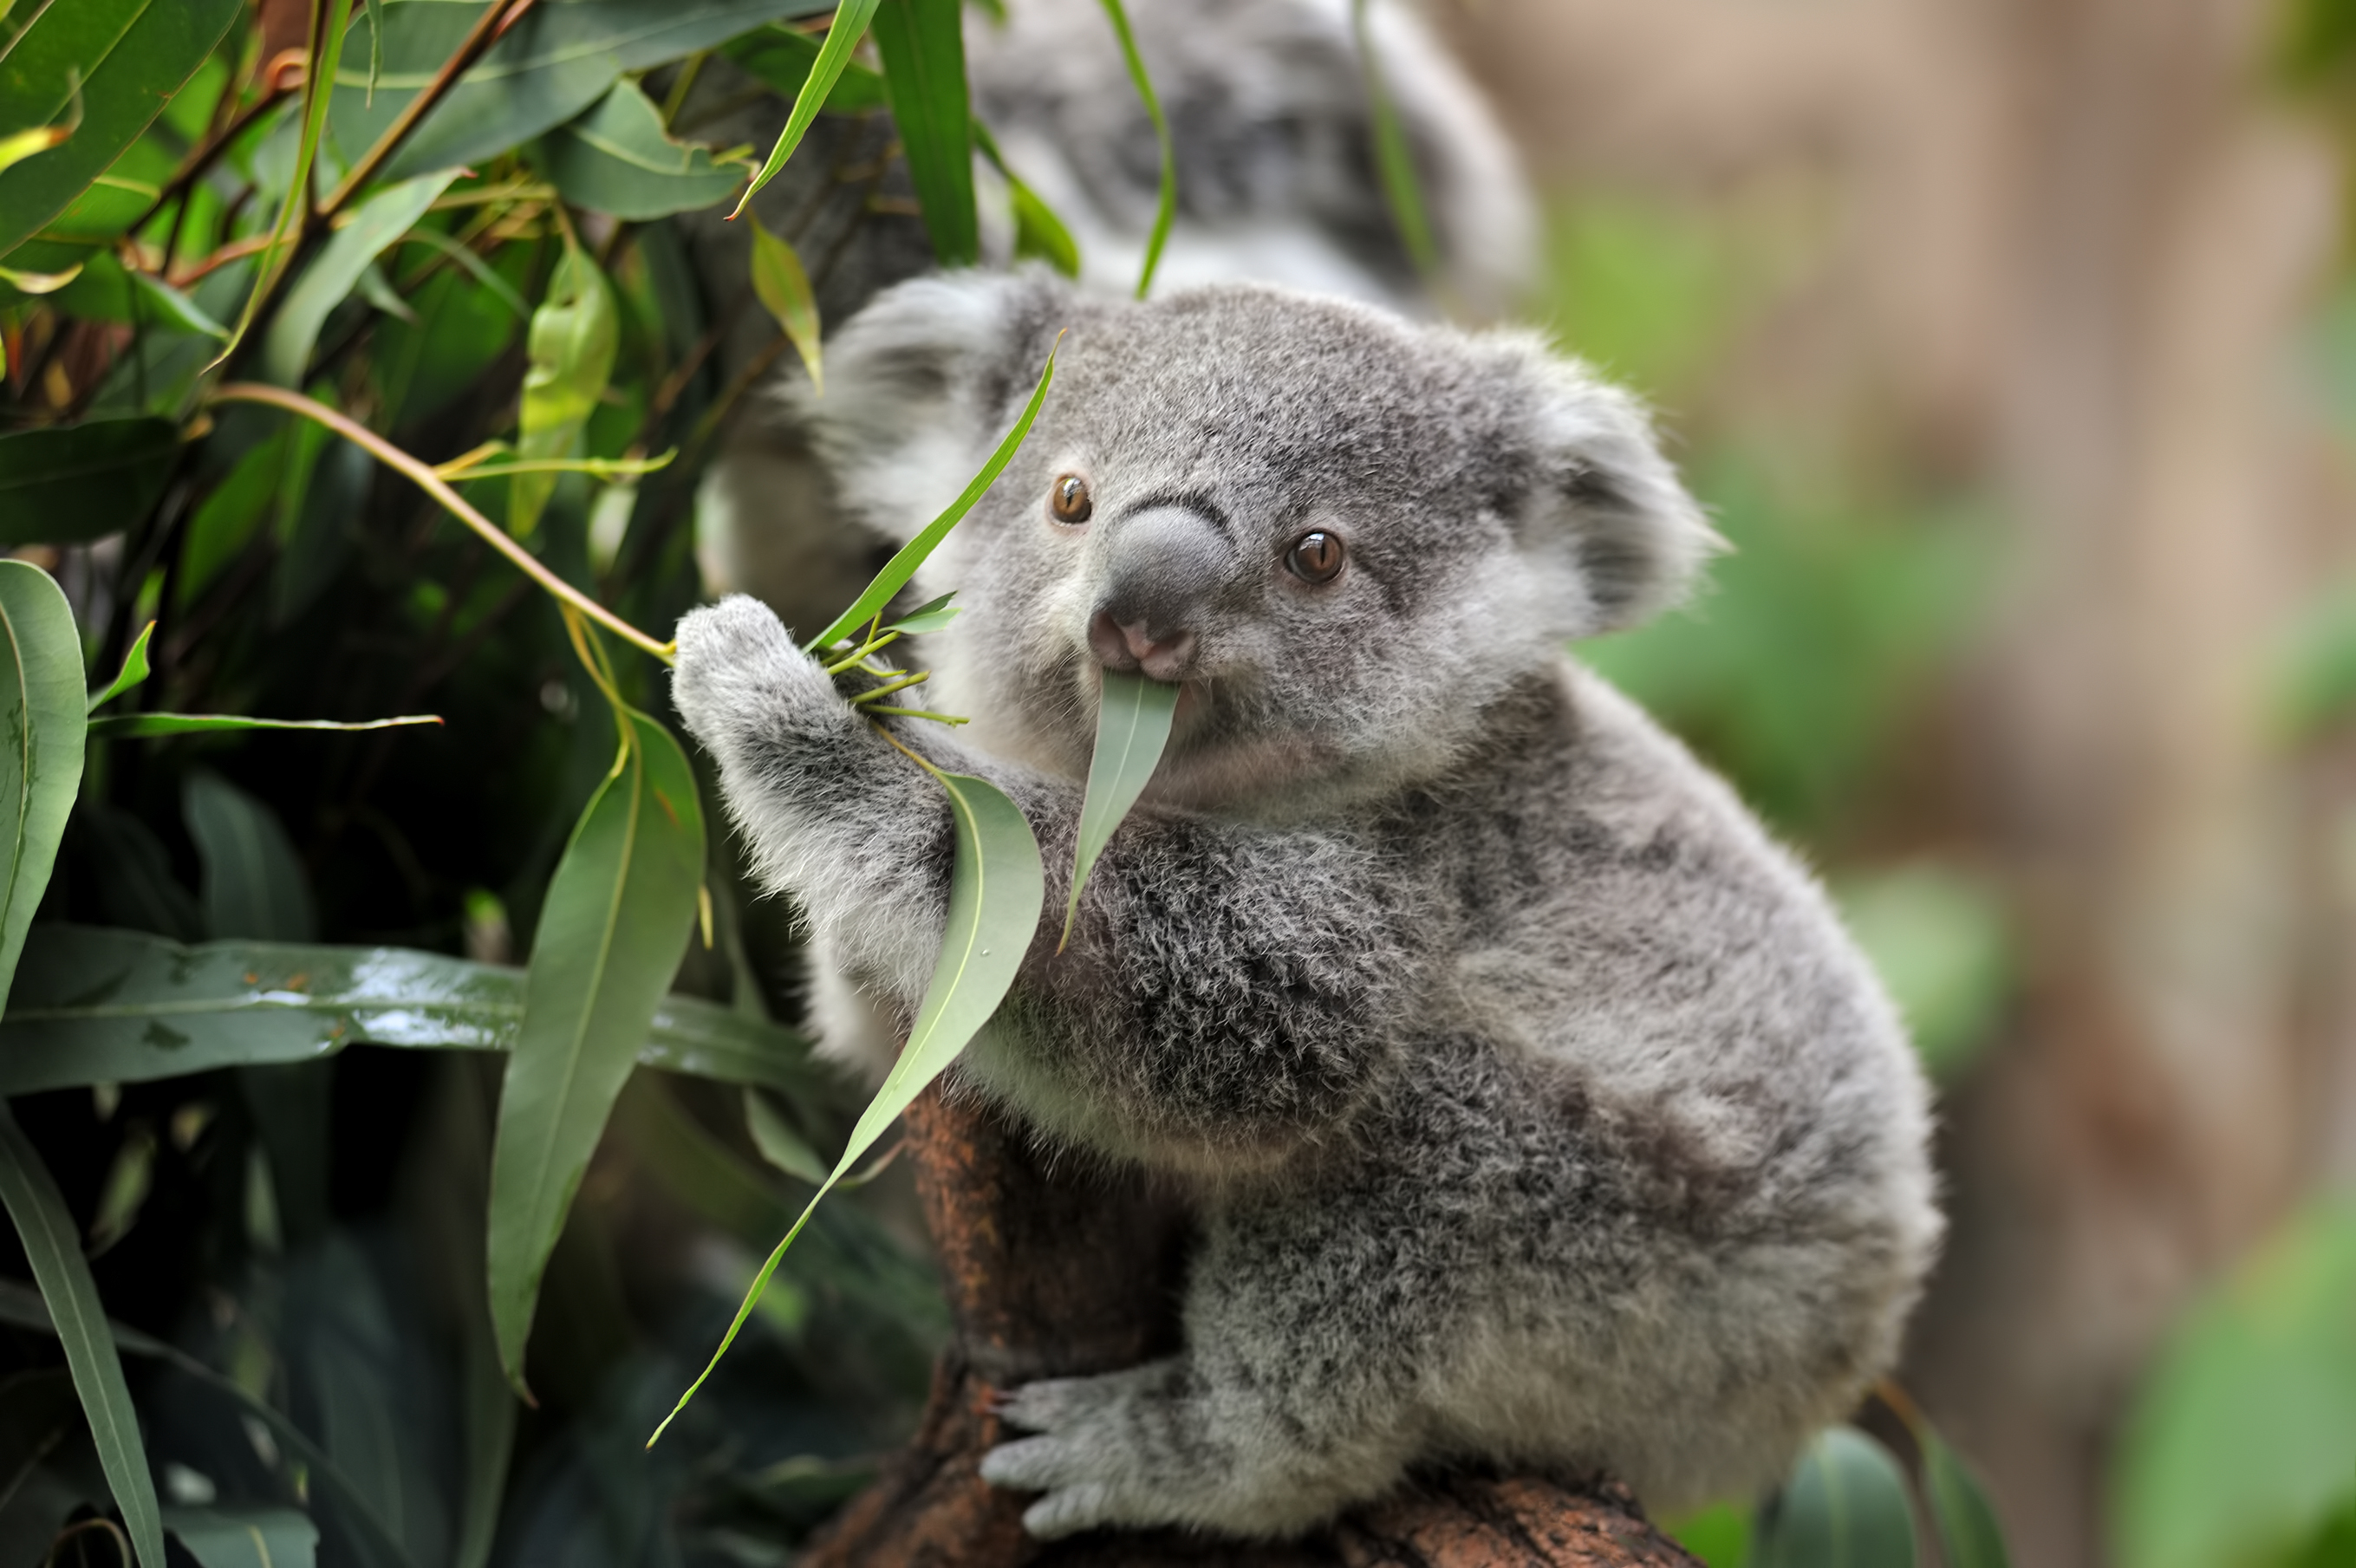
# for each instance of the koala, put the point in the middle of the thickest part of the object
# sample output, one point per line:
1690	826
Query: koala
1273	132
1531	1105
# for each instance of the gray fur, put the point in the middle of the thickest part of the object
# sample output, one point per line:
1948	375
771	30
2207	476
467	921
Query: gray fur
1276	183
1536	1107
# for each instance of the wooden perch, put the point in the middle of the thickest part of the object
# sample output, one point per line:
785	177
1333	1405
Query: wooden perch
1058	1278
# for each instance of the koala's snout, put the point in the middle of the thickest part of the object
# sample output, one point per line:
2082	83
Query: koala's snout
1165	569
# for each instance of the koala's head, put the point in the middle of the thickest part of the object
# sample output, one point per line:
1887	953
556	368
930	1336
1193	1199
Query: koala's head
1346	535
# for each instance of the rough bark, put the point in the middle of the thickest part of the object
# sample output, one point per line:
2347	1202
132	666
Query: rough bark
1059	1273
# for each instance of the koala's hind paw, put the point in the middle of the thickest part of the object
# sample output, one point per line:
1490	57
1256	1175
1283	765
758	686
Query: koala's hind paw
1096	1457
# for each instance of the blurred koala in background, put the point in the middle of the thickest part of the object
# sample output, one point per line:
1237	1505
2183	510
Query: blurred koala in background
1274	133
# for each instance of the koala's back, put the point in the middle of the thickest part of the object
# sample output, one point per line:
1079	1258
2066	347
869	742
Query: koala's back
1657	1143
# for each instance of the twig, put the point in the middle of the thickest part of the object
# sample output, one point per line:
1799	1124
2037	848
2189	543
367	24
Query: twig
495	20
422	474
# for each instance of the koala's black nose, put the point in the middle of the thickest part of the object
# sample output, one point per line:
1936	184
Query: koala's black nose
1164	570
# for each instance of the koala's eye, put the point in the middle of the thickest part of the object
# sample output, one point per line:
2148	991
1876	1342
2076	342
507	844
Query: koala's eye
1315	557
1068	500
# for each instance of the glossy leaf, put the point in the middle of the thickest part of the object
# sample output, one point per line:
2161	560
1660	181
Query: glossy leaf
2242	1438
133	670
43	713
1961	1515
1166	208
615	159
930	615
911	555
67	484
851	19
28	1310
576	334
784	291
101	1005
1133	719
556	62
136	727
1038	233
253	884
1845	1507
995	890
922	49
783	59
245	1537
336	272
113	64
616	922
286	232
53	1247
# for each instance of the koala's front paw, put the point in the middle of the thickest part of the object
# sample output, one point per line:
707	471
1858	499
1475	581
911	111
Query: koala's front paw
738	667
1091	1458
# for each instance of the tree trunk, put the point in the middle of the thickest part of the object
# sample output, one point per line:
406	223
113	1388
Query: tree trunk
1054	1275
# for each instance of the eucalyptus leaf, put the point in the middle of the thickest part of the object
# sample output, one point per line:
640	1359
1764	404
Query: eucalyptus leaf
922	49
996	887
784	291
851	19
103	289
1133	719
1845	1507
133	670
911	555
53	1247
337	271
930	615
101	1005
2240	1443
43	714
615	159
783	59
135	727
616	922
67	484
245	1537
108	67
1961	1515
1038	233
1165	208
1394	161
574	336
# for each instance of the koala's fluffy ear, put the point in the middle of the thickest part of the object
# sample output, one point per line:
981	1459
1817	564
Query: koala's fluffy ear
1603	491
918	387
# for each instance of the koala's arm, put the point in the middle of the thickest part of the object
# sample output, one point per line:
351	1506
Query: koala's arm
1225	982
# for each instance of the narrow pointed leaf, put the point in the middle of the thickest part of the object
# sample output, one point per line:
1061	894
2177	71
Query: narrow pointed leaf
43	714
101	1005
1037	230
851	19
576	334
616	921
1394	161
930	615
1166	210
338	270
254	881
1961	1515
1133	719
783	59
911	555
784	291
1845	1507
134	726
53	1247
923	48
133	670
995	890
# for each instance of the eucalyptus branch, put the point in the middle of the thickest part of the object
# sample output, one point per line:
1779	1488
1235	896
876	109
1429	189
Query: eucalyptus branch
495	19
422	474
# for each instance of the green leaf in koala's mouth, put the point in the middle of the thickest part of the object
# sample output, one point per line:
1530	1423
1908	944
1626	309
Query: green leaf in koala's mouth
1134	720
